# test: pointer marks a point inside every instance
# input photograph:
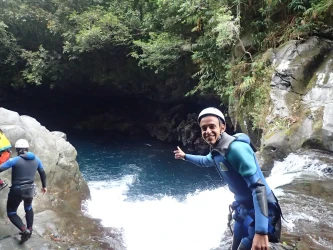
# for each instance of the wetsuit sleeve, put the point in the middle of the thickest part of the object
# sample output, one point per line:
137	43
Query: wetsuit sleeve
199	160
41	172
4	156
8	164
242	158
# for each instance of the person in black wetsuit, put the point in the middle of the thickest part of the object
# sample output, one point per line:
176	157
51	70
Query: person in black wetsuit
24	167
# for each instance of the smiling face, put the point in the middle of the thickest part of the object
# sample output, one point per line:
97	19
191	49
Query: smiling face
211	129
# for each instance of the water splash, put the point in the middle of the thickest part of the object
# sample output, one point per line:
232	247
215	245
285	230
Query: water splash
291	218
293	166
197	223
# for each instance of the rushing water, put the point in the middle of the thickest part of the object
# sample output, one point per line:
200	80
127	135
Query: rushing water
161	203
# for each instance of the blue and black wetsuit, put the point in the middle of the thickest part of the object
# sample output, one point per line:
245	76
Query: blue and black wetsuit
24	168
256	208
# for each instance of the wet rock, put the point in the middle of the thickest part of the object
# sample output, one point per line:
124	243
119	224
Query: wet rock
297	61
58	212
328	170
201	147
275	147
279	246
39	239
190	135
328	125
57	155
246	42
60	134
302	98
165	128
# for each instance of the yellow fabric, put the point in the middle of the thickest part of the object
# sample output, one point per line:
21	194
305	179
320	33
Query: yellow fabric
4	142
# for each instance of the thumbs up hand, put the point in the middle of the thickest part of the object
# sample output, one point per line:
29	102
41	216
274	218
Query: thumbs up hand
179	154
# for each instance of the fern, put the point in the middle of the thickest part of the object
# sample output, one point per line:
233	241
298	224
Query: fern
320	10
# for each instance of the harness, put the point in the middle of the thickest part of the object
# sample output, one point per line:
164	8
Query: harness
240	212
244	211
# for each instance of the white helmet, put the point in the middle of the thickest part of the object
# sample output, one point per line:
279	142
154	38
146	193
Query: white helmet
22	143
211	111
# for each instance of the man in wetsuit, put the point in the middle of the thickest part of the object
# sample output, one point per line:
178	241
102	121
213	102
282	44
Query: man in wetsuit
24	167
256	211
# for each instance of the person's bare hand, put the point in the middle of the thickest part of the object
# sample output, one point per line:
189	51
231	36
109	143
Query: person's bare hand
44	190
260	242
179	154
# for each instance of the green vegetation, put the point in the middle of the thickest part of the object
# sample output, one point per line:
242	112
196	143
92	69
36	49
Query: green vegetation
135	44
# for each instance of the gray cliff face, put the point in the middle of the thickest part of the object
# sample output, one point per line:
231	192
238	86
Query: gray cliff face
301	112
302	98
59	222
57	155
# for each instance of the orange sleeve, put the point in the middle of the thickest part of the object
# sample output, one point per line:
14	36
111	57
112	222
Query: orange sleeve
4	157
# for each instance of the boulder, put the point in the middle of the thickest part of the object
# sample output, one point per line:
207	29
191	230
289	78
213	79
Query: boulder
58	212
60	134
302	98
57	155
190	135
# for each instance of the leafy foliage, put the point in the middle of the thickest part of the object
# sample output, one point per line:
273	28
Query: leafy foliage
320	10
94	29
9	50
131	44
251	93
160	52
41	64
226	27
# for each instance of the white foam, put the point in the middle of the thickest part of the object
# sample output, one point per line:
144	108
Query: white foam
294	165
198	223
292	218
